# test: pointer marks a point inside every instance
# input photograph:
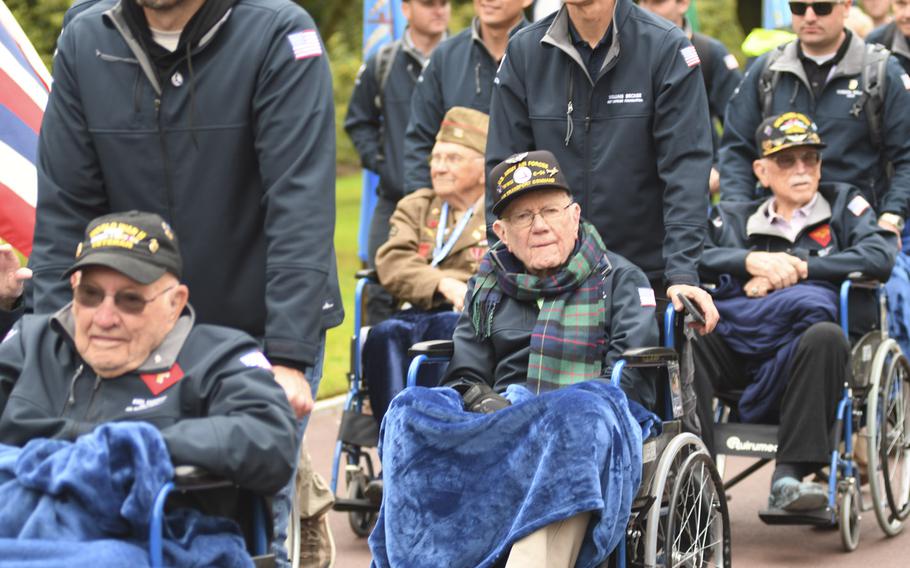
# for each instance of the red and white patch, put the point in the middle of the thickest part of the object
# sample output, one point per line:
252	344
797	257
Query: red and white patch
821	235
646	297
858	205
305	44
423	250
160	382
690	56
905	79
731	62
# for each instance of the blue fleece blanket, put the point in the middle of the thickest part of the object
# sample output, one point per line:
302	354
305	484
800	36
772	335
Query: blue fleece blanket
461	488
898	288
766	331
87	503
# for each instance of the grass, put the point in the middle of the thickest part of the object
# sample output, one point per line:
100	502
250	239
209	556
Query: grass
337	349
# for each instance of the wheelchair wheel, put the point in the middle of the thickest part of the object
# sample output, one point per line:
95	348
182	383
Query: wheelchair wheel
698	527
361	522
849	515
895	437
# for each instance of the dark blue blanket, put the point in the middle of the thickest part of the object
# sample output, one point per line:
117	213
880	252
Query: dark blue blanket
898	288
766	331
461	488
87	503
385	353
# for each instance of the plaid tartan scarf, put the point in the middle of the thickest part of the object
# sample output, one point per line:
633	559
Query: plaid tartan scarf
567	343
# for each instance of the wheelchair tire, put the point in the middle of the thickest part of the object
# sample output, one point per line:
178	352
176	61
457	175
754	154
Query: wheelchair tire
361	522
698	524
895	437
849	516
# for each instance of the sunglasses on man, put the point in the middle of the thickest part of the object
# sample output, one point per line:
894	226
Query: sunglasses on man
820	8
128	302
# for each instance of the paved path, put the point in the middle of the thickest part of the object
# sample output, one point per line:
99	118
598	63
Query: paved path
754	543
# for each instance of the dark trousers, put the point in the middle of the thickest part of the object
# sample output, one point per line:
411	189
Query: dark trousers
817	371
380	304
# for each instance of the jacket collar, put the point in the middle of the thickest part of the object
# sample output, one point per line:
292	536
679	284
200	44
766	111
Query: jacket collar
850	64
759	223
899	45
475	32
160	359
558	36
407	45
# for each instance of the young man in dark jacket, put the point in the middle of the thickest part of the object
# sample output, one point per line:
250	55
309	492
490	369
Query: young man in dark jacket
460	73
805	232
615	93
378	114
128	348
895	35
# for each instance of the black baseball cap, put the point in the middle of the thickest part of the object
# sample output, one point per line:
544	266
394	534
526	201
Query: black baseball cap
786	130
139	245
524	173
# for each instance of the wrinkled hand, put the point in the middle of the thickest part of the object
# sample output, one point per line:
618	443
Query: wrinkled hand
781	269
758	287
296	388
12	277
453	291
714	182
701	299
893	228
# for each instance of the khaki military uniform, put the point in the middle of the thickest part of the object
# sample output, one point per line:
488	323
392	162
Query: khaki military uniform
403	262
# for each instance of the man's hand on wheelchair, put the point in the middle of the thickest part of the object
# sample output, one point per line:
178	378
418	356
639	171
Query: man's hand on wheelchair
296	388
12	277
482	399
782	270
702	299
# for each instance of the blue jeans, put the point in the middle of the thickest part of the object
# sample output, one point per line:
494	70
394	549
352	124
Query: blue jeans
281	506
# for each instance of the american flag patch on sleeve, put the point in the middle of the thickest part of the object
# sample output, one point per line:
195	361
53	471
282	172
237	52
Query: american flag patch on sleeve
305	44
906	80
690	56
731	62
646	297
857	205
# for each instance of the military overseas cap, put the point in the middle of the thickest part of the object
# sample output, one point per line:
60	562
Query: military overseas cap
524	173
786	131
465	126
139	245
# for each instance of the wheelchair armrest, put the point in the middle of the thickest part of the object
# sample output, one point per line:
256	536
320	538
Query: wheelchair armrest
435	348
649	356
367	274
859	280
190	477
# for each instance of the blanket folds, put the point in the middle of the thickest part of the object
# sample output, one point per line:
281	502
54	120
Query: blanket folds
767	331
461	487
87	503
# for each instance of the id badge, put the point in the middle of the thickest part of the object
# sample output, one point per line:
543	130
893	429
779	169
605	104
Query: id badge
675	389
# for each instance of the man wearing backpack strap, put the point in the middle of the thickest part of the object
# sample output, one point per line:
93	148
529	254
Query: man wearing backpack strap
896	35
858	95
378	115
719	67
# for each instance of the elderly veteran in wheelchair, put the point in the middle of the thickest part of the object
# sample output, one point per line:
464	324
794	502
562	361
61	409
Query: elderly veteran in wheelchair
436	240
483	471
126	349
778	261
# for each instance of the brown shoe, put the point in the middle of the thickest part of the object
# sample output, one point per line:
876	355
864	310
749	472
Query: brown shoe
317	547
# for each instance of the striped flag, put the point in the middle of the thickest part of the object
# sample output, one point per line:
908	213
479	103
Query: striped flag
24	87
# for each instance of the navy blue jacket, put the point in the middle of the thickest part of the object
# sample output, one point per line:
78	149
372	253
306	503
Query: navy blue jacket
850	156
205	387
460	73
238	155
835	242
899	44
378	133
720	70
635	143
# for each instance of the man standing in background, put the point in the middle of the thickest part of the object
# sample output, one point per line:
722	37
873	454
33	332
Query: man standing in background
460	73
378	115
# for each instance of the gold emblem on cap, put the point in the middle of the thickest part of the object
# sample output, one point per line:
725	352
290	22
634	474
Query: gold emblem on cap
515	158
167	230
153	246
853	84
79	250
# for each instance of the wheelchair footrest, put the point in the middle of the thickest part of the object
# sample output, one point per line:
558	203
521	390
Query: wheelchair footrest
821	517
267	561
347	505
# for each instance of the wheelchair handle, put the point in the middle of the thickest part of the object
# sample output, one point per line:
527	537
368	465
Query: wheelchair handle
367	274
434	348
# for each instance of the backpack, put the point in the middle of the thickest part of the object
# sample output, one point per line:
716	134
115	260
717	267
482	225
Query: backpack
872	100
384	59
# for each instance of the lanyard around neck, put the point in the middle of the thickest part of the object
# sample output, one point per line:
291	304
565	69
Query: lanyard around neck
443	249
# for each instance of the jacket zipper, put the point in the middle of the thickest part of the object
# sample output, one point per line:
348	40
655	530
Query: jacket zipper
169	189
71	399
91	400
